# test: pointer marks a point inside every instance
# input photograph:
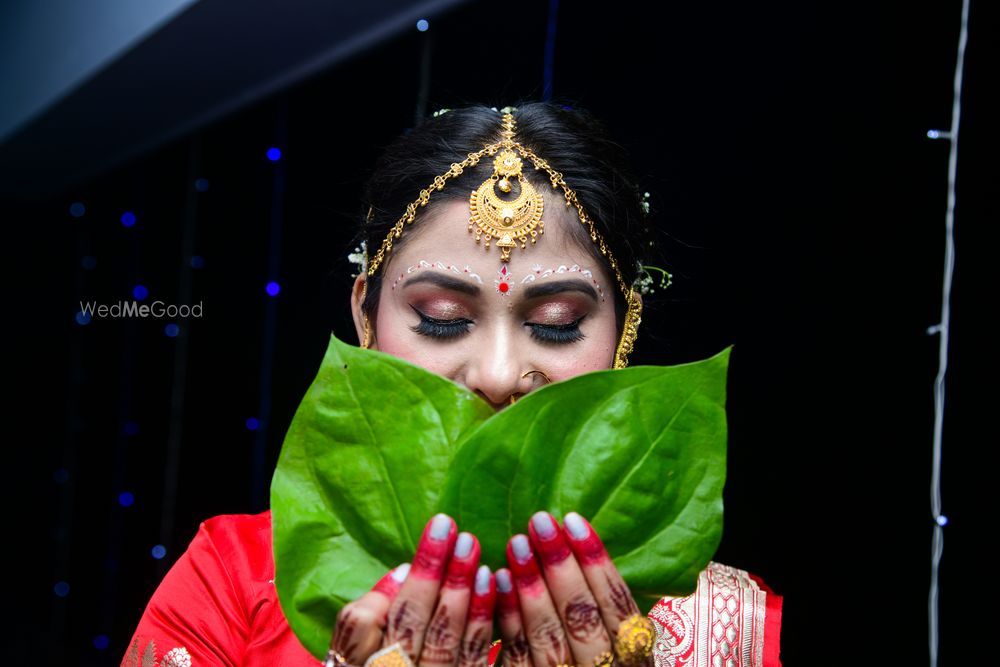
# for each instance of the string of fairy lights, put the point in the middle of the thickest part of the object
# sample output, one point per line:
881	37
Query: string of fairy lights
942	329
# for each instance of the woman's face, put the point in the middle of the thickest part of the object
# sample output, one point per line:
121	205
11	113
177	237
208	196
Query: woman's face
450	306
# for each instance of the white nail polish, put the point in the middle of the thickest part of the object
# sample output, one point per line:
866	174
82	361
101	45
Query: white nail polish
576	526
522	550
463	545
543	525
440	527
399	574
482	580
504	584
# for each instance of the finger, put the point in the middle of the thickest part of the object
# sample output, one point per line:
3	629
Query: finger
513	643
411	610
361	623
542	625
443	638
570	592
479	629
390	584
613	596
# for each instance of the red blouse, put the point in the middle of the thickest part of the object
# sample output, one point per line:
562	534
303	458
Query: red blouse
218	606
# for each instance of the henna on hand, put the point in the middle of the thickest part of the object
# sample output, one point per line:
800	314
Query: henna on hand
548	634
621	598
583	620
404	625
474	649
347	625
438	639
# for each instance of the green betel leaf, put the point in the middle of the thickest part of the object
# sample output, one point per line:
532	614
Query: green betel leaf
640	452
379	445
359	475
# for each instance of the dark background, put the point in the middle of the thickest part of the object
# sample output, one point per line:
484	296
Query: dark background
800	206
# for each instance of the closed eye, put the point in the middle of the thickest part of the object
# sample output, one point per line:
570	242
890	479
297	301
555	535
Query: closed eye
557	333
441	329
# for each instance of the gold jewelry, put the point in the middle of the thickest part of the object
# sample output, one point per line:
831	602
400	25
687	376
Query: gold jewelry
527	373
508	220
390	656
366	340
604	659
516	220
634	639
335	659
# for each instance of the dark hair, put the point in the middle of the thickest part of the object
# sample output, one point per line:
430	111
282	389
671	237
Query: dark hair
571	140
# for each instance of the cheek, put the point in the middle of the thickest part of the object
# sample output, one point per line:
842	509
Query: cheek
395	337
595	352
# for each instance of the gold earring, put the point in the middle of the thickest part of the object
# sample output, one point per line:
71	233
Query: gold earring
366	342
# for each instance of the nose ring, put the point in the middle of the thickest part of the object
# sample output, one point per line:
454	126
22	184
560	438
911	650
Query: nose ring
525	374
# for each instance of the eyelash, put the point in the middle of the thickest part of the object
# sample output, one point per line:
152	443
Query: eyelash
543	333
562	333
444	329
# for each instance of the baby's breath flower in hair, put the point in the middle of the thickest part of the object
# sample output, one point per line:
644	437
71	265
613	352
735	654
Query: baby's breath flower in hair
359	257
644	282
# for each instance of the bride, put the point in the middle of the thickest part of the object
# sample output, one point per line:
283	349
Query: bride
500	251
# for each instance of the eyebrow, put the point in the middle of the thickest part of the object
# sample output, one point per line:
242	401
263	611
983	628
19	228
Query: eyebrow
444	280
550	287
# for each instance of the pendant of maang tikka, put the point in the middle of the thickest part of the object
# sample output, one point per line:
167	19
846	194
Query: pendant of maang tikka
506	207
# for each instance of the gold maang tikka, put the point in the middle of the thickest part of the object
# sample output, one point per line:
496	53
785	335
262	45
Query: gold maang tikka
513	216
497	211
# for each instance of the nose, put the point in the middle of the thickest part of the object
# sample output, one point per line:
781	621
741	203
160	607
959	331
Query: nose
495	370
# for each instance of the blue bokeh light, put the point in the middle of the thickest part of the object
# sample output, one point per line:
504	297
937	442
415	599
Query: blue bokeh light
159	551
101	642
201	184
273	288
172	330
82	318
126	499
89	262
140	292
197	262
77	209
128	218
61	589
60	476
273	154
423	25
942	520
131	427
253	423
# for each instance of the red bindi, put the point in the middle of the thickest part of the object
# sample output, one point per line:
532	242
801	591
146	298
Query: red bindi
503	287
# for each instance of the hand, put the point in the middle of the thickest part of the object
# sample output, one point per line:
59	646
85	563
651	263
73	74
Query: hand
568	611
440	608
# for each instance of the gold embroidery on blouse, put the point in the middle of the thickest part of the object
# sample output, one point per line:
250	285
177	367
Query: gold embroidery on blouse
132	657
175	657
